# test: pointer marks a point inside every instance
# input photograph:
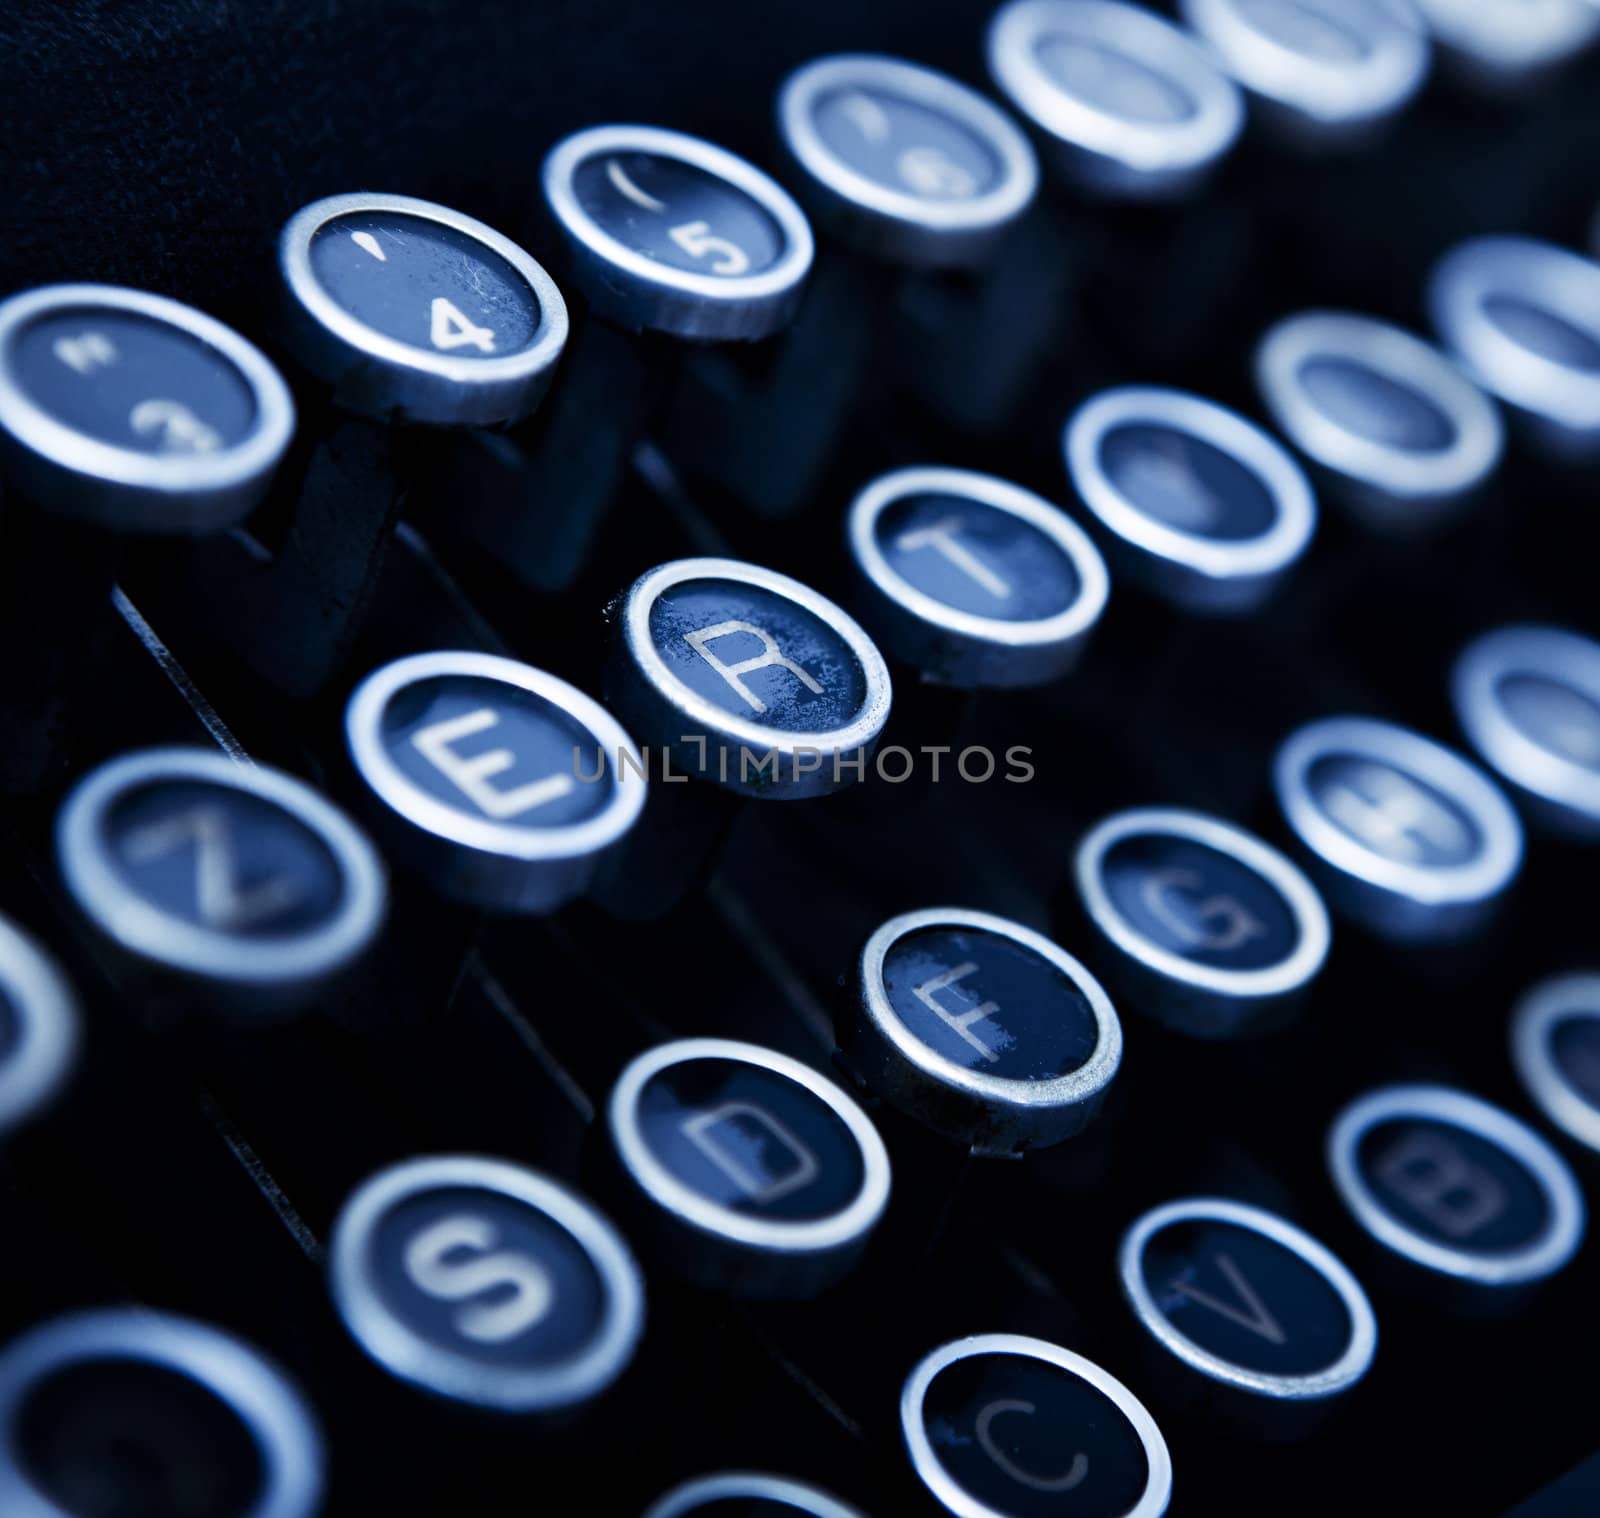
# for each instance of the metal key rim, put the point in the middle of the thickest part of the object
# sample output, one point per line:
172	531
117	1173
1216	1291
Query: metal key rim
48	1035
726	1486
1552	1001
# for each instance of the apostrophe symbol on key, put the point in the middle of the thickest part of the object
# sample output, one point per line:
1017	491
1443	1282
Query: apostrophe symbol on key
181	430
86	352
369	244
866	115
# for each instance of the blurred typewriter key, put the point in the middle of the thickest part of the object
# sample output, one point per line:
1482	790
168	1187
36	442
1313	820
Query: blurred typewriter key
1002	1426
1132	105
972	581
747	1494
751	679
484	1283
1523	318
1404	835
1455	1185
744	1170
1328	72
1555	1046
130	1412
981	1029
1203	927
1396	429
1196	503
1528	699
228	875
1510	45
1264	1316
38	1029
501	785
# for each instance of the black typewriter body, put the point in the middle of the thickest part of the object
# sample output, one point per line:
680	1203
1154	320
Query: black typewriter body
200	1151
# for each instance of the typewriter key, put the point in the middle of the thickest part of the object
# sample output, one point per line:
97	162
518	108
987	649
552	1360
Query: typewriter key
972	581
1555	1046
1455	1185
133	1412
745	1169
502	786
1002	1426
751	679
980	1028
1509	45
38	1028
412	312
232	875
1398	431
1133	106
1203	927
1523	318
1528	699
1197	503
1248	1301
485	1283
134	412
1327	71
902	162
1405	836
750	1495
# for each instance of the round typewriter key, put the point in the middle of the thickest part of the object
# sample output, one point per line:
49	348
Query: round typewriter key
38	1028
1456	1185
672	234
752	679
503	785
1134	106
973	581
747	1494
1327	69
1528	699
905	162
1523	317
1399	430
1199	504
1248	1300
1208	928
1505	44
145	1415
1555	1045
136	412
750	1172
485	1283
237	875
1002	1426
1404	835
413	312
980	1028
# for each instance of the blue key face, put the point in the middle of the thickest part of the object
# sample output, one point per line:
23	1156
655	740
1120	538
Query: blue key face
1374	406
125	1437
1199	902
1113	82
1245	1299
677	214
750	1140
758	656
903	145
1541	331
10	1028
1452	1186
223	860
1393	813
133	381
1575	1048
484	1275
1032	1440
1561	720
426	285
1315	31
989	1003
975	559
496	752
1186	483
